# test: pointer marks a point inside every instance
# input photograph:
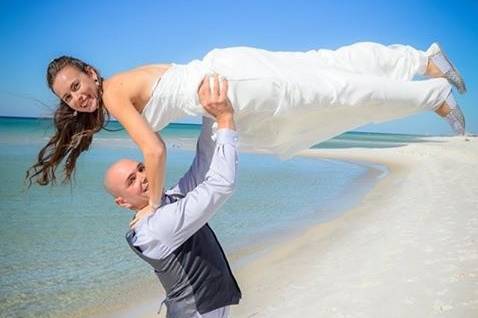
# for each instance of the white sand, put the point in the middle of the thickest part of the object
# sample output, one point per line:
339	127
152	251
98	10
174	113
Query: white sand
409	249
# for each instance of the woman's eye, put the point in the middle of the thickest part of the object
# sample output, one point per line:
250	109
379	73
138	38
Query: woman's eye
67	98
76	86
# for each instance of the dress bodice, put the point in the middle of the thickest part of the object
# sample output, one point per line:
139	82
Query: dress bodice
174	95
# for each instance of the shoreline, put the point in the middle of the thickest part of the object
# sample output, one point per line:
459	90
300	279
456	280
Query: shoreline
322	232
408	249
249	251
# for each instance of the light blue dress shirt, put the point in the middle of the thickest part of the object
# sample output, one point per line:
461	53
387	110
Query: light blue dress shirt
207	184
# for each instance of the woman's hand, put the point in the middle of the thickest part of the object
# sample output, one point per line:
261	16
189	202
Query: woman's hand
140	214
215	101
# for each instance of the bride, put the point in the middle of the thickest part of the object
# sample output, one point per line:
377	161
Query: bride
284	102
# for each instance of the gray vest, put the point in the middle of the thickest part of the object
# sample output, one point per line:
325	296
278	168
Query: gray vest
196	276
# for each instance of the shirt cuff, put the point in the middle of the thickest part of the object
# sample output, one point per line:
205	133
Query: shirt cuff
227	136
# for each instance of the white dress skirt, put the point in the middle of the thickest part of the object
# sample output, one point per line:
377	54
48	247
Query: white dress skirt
285	102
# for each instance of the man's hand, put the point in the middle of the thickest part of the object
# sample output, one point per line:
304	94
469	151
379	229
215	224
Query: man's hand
215	101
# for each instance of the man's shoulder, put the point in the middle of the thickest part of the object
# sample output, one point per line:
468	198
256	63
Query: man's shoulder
171	196
141	234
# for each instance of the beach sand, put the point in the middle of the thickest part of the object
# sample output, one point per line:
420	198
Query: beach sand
408	249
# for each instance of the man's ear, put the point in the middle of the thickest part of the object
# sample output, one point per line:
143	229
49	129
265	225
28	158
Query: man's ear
123	203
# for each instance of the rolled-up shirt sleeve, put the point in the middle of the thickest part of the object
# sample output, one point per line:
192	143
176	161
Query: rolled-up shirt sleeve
174	223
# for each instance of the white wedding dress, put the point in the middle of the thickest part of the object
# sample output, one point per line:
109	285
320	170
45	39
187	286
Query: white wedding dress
288	101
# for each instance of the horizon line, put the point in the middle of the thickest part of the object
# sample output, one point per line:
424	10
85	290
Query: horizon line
198	124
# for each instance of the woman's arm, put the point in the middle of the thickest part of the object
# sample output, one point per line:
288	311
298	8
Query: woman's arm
150	143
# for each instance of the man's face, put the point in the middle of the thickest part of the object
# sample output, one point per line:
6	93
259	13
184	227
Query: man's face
126	181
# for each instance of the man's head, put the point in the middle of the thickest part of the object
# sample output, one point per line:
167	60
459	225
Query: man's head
126	181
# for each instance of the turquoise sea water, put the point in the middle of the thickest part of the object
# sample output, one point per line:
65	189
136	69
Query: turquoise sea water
62	248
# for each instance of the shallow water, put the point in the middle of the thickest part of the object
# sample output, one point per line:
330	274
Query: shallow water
62	248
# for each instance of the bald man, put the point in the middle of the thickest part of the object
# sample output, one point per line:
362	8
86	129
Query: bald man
176	239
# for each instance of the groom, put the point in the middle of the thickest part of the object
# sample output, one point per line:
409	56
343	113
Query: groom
176	239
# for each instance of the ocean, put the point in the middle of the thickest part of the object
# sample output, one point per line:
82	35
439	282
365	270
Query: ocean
62	248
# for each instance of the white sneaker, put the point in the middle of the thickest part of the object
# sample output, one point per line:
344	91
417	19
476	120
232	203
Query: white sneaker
455	117
440	59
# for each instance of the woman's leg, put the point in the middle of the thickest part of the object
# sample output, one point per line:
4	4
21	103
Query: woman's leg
401	62
373	98
398	62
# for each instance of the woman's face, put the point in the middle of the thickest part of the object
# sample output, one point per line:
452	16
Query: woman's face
77	89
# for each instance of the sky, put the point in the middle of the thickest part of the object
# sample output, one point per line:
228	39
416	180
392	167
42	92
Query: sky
118	35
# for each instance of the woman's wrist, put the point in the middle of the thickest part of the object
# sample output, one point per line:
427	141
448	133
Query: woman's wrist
154	205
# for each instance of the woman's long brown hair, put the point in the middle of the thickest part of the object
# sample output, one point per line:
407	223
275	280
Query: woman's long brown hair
73	130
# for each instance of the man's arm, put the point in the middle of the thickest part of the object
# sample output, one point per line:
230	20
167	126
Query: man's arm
215	101
202	160
174	223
